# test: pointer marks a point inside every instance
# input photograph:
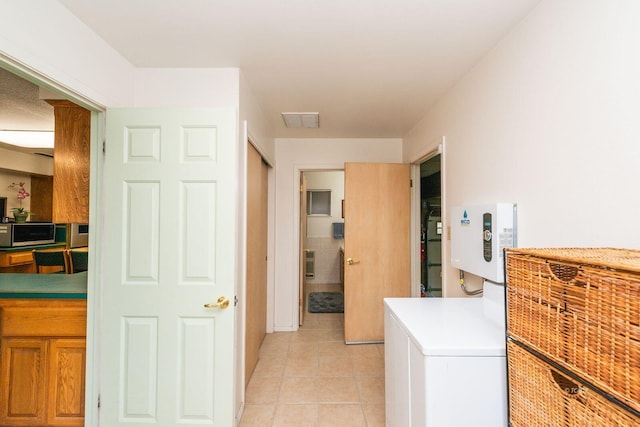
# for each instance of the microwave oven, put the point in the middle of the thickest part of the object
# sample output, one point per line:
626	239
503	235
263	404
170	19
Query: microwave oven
78	235
27	234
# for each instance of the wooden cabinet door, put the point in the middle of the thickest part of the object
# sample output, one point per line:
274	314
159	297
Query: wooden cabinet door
41	198
71	162
67	360
23	388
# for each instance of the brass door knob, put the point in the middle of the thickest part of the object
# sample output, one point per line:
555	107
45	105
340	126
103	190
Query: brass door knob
352	261
223	303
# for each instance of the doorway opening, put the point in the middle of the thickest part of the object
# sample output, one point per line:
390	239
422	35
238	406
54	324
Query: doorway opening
38	103
431	229
321	240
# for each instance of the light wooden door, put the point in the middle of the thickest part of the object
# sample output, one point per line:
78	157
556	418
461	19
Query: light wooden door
169	248
377	257
256	292
303	257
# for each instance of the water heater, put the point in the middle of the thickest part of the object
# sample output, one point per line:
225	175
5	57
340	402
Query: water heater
478	236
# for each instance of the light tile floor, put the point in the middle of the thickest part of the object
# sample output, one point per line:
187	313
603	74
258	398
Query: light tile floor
312	378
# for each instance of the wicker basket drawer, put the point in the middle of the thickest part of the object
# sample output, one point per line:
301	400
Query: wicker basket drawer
581	309
542	396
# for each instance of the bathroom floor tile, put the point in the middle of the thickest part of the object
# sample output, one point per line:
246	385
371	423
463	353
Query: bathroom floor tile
301	367
371	389
337	389
341	415
311	378
298	390
263	390
374	414
335	367
257	416
333	348
269	367
296	416
368	366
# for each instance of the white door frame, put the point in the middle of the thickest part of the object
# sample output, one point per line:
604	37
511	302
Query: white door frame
435	147
297	169
96	215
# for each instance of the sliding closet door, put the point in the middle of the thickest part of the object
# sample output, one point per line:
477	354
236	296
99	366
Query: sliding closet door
256	294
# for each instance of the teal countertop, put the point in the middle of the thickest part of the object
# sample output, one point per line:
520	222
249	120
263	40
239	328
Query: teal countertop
30	248
16	285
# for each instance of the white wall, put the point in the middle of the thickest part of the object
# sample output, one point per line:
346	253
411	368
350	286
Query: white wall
320	226
67	53
293	156
46	37
186	87
25	163
549	120
260	129
320	229
6	179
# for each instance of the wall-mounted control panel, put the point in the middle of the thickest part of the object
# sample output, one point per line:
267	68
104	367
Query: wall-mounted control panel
479	234
487	241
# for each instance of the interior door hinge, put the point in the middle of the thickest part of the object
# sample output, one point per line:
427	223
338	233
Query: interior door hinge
411	183
104	147
98	401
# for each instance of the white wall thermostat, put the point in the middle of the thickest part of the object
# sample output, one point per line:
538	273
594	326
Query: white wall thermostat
479	235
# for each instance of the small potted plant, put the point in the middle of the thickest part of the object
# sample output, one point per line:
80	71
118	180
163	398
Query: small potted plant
20	214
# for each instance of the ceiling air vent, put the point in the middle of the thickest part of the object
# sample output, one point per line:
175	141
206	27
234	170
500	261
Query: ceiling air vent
301	120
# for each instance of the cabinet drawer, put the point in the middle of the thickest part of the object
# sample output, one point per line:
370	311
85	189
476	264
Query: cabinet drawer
581	312
9	259
42	321
540	396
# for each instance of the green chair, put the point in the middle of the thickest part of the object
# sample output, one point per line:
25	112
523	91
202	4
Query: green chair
79	261
50	261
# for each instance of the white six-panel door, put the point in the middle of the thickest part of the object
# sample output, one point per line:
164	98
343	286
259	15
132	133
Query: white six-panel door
169	249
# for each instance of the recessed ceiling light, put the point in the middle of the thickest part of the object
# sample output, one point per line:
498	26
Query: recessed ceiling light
27	138
301	120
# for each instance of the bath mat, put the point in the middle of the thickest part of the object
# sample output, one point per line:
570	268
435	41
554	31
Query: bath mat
326	302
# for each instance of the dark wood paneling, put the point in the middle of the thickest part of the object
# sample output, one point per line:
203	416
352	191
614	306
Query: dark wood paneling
41	198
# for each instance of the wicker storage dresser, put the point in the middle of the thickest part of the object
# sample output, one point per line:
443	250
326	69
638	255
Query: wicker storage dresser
573	332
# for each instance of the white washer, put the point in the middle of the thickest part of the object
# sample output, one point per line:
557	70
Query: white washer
445	361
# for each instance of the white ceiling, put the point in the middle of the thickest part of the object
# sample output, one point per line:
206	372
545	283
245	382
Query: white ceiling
22	109
371	68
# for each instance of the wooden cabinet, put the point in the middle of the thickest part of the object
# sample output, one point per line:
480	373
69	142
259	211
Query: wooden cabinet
42	362
67	360
71	162
17	262
42	198
24	368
